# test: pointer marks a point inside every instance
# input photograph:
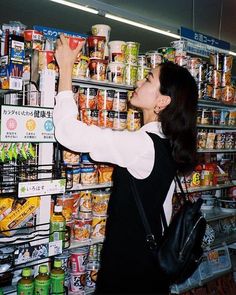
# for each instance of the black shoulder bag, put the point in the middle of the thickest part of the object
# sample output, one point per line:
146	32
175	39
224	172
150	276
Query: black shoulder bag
180	249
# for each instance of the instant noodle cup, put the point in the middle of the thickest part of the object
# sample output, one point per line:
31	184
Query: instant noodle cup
120	121
105	99
100	202
89	117
216	93
87	98
89	174
78	259
120	101
46	60
133	120
33	39
168	53
130	74
96	46
105	119
227	95
97	69
80	68
142	61
154	58
131	52
67	202
227	63
226	79
115	72
117	51
91	274
85	201
101	30
74	41
82	229
77	282
98	227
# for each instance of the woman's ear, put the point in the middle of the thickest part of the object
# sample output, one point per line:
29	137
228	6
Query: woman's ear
163	101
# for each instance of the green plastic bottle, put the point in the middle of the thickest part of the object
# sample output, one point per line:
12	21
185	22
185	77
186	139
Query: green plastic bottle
57	225
1	291
25	285
57	278
42	281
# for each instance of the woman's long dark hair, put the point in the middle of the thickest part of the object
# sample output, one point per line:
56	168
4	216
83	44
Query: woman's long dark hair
179	117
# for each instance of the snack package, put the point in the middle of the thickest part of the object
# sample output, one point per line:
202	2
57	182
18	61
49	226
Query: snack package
19	216
105	174
5	207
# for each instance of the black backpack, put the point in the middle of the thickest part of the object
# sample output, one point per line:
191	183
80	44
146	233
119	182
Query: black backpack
180	249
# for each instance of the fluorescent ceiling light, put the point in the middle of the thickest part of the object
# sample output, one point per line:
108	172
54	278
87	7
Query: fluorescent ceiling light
232	53
142	26
77	6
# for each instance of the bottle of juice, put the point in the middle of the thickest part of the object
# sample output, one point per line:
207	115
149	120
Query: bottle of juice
57	278
25	285
57	225
42	281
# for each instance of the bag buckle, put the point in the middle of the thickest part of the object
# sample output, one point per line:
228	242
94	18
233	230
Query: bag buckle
150	239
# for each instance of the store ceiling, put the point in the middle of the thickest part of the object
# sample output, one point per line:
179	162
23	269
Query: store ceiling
168	15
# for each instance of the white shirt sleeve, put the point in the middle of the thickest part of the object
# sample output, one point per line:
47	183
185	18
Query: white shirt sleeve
133	150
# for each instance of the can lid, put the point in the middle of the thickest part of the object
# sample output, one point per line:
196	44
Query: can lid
57	208
43	268
57	263
26	272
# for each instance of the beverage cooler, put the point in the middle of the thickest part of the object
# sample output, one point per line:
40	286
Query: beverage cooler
53	201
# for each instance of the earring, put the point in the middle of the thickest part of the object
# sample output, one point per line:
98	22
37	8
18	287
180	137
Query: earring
156	110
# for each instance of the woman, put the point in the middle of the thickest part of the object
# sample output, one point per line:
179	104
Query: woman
152	155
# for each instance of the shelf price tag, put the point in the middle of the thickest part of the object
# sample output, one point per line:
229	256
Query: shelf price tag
41	188
26	124
55	248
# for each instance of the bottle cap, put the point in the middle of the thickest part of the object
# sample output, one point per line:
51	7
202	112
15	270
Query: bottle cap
58	209
57	263
43	269
26	272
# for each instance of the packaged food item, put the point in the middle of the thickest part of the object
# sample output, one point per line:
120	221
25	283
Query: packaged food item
131	52
120	101
224	117
72	176
226	79
228	93
130	74
89	174
216	93
210	140
117	51
216	59
206	118
232	118
227	63
74	41
85	159
181	60
70	157
19	216
215	114
33	39
91	274
133	120
168	53
229	140
79	259
142	73
105	174
87	98
115	72
105	99
46	60
25	286
98	227
101	30
57	225
66	201
57	277
82	229
100	202
96	46
5	207
105	118
120	121
97	69
201	139
90	117
154	58
80	68
85	201
77	282
220	141
42	281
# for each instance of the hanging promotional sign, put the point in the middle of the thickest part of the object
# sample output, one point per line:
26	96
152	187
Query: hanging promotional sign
26	124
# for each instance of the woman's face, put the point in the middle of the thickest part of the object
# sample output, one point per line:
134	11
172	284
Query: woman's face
147	92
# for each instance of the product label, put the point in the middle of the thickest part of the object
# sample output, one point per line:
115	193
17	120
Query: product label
57	231
42	287
57	283
25	289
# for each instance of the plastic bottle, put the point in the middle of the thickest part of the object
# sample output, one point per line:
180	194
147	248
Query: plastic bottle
25	285
57	278
1	291
57	225
42	281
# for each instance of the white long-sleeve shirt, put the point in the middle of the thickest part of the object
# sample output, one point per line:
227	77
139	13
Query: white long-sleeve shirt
132	150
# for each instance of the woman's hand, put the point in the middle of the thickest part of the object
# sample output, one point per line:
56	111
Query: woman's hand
66	56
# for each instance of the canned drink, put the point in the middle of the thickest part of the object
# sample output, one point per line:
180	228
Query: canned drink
105	118
90	117
130	74
120	121
82	229
154	58
87	98
131	52
142	73
120	101
133	120
77	282
78	259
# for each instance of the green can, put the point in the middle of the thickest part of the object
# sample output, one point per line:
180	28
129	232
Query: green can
168	53
130	74
143	71
131	52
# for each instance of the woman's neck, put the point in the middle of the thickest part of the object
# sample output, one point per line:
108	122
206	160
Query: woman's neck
149	117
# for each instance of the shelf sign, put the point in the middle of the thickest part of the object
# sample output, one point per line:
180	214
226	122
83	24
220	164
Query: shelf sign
41	188
26	124
204	39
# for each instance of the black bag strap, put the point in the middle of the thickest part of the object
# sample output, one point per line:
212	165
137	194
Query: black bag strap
149	235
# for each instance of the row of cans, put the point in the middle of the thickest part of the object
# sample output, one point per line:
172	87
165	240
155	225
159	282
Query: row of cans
208	116
211	140
225	94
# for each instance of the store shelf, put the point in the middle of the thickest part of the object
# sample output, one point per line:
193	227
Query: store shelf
221	127
216	214
210	188
101	84
224	240
216	150
80	187
76	244
212	103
